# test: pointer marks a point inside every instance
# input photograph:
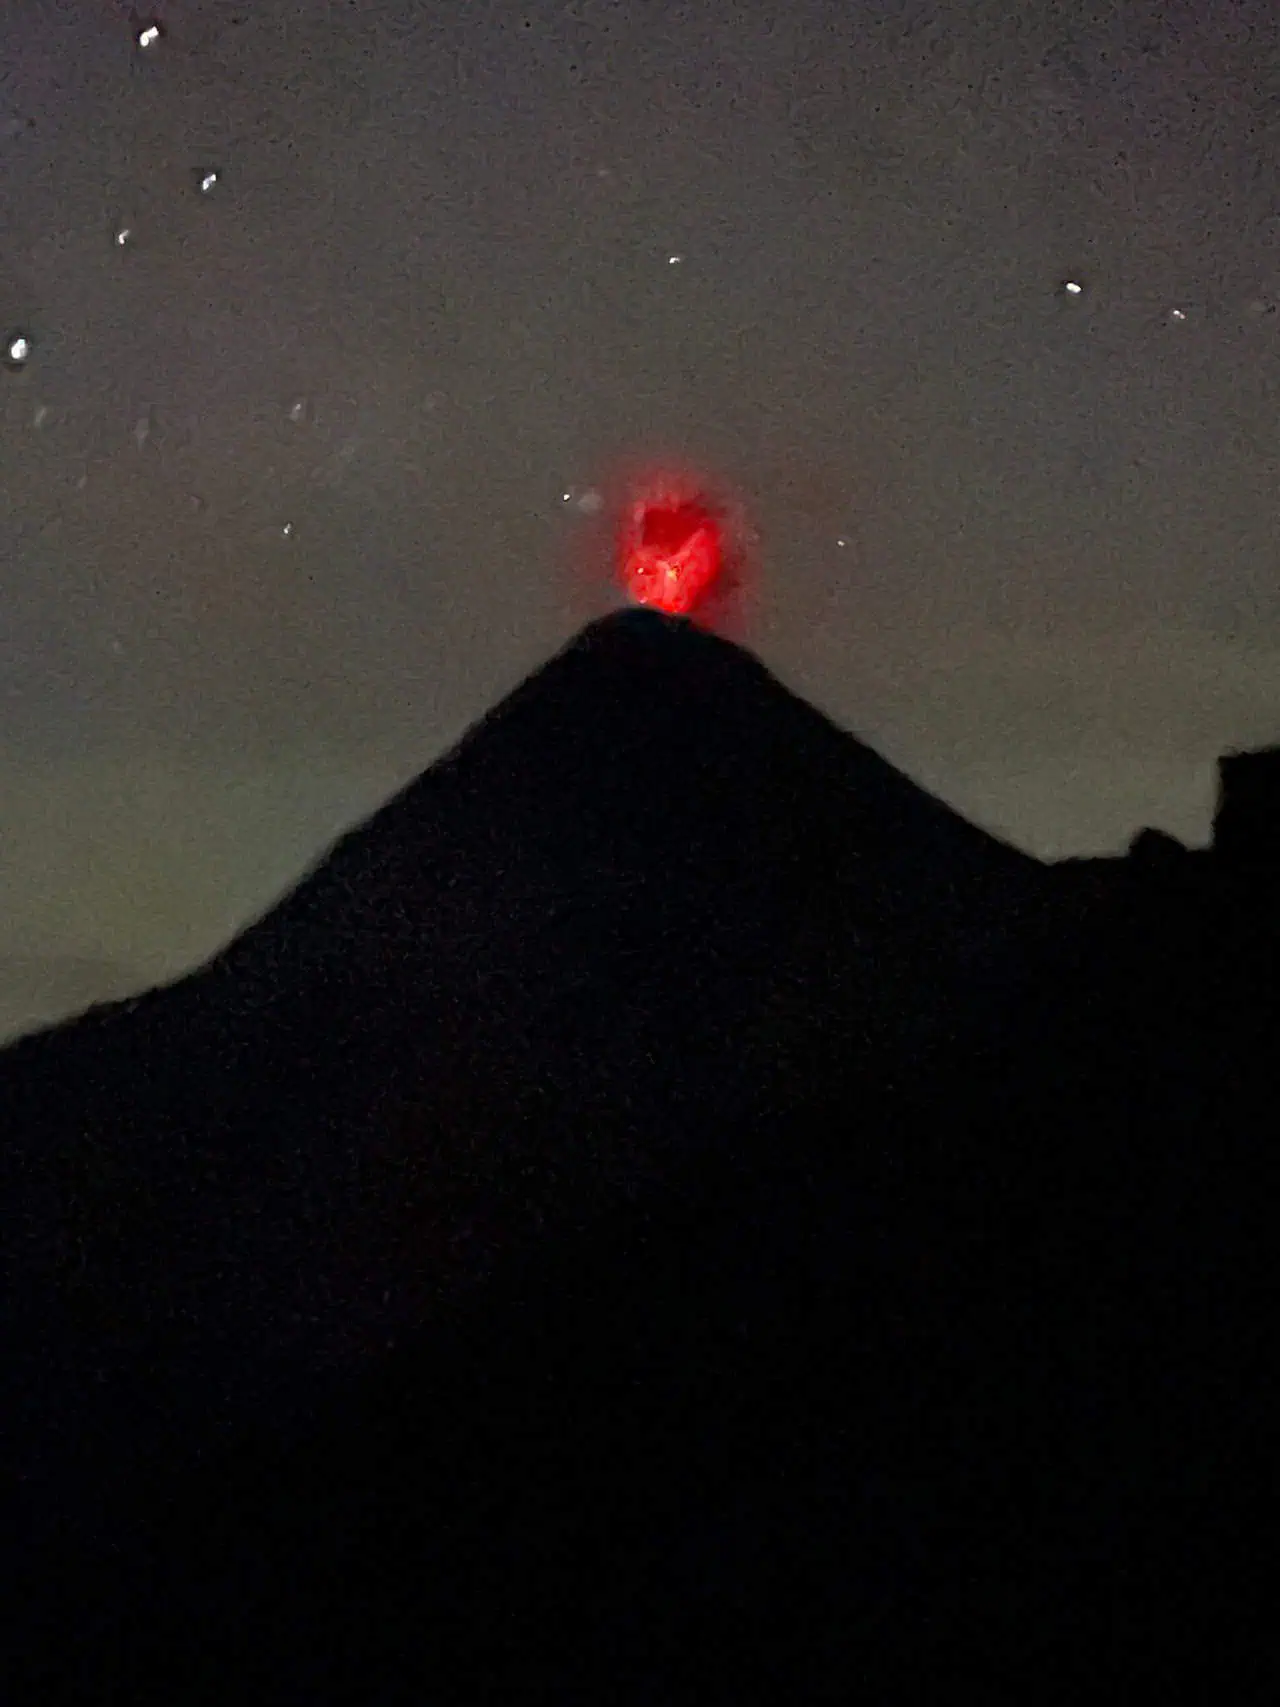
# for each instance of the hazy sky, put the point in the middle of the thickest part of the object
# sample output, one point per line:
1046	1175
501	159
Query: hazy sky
282	482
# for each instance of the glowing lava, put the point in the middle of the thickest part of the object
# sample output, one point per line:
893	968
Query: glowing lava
671	551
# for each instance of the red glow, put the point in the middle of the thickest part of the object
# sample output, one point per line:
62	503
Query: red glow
672	552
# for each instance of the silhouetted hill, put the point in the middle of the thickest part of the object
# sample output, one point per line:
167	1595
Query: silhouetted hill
639	888
665	1210
42	990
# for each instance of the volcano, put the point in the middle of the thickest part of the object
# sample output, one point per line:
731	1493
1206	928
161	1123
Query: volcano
664	1209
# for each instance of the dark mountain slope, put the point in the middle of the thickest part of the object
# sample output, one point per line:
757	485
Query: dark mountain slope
665	1211
631	907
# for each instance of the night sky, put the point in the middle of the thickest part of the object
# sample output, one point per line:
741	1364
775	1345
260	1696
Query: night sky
338	314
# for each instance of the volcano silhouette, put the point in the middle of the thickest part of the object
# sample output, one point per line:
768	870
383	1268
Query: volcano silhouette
664	1209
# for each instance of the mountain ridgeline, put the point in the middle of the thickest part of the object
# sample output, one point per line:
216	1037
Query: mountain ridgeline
664	1209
